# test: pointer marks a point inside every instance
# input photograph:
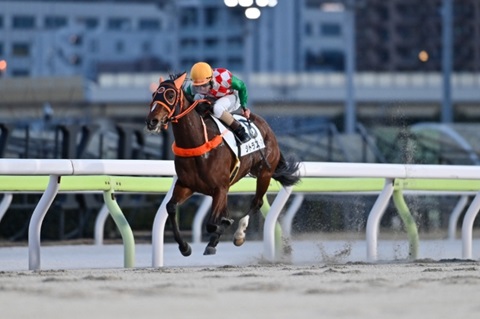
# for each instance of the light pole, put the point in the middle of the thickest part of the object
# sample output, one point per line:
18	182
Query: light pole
350	116
447	50
252	13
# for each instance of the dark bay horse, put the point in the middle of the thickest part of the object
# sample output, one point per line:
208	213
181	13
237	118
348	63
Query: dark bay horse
204	162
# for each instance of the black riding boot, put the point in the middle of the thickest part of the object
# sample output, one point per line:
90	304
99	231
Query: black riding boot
239	132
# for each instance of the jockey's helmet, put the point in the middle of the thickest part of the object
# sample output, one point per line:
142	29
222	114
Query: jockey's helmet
201	73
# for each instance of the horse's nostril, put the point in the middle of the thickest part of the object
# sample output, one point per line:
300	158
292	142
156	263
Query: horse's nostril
152	122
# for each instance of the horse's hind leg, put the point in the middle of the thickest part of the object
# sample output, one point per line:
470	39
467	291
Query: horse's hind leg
257	202
218	221
179	195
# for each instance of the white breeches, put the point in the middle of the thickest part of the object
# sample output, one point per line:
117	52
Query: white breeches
227	103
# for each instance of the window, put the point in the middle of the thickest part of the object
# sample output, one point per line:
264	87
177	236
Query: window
20	49
118	24
308	28
328	60
55	22
149	24
90	23
1	22
330	29
189	17
211	42
23	22
20	72
211	16
235	42
188	43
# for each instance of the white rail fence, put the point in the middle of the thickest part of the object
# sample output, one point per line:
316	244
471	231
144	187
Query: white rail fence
439	179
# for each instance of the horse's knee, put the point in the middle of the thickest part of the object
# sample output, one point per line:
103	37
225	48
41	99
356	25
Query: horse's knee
171	208
256	205
219	229
212	228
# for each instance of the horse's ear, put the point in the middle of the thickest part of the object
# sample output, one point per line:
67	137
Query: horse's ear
179	81
160	80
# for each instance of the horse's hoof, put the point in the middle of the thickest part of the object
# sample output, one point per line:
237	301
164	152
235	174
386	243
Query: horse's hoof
238	241
209	250
187	251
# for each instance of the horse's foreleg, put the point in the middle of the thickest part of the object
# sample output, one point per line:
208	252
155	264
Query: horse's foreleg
179	195
257	202
183	246
218	221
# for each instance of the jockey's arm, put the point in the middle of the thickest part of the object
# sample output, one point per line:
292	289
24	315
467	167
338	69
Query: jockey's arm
189	91
240	86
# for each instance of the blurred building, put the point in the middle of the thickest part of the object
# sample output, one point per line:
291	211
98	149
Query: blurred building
406	35
42	38
58	38
110	53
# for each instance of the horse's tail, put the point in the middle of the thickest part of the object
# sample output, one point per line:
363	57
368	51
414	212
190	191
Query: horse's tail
286	172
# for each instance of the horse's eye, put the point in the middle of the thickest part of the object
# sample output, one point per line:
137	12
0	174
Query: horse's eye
170	96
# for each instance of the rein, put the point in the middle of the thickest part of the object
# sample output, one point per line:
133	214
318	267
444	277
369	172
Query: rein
171	117
171	108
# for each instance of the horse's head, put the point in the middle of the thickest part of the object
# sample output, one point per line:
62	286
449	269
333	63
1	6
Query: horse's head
167	102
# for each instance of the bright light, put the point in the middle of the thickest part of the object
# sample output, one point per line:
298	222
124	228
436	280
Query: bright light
231	3
423	56
262	3
3	65
332	7
272	3
252	13
245	3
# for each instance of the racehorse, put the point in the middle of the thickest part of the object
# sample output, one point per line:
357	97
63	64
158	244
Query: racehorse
205	164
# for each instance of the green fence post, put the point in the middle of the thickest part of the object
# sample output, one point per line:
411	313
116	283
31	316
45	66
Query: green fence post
408	222
123	227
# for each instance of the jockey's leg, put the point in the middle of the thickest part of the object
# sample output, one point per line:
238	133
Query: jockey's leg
222	109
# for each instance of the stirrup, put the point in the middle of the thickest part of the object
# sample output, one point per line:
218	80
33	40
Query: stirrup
241	135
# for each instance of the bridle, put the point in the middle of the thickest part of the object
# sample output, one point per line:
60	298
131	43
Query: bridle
171	107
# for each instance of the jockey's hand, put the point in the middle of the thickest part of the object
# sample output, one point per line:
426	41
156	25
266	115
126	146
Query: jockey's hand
198	96
246	113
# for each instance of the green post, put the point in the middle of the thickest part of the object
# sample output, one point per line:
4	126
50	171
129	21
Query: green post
123	227
408	222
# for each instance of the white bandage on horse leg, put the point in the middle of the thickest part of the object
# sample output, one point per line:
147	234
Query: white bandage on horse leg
242	227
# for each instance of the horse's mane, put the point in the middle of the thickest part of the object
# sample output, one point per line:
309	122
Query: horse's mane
174	76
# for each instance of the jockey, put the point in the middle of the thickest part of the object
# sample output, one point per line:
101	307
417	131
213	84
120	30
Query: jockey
228	92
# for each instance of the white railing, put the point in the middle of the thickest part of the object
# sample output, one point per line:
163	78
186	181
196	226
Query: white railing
394	179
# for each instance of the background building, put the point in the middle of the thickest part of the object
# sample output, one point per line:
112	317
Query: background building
406	35
52	38
293	57
41	38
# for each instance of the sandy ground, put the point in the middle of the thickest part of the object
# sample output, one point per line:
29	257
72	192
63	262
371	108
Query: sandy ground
355	290
328	280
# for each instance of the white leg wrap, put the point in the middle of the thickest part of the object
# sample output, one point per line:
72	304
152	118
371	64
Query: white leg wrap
242	226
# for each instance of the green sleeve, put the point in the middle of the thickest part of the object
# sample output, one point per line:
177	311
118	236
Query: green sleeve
238	85
188	90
